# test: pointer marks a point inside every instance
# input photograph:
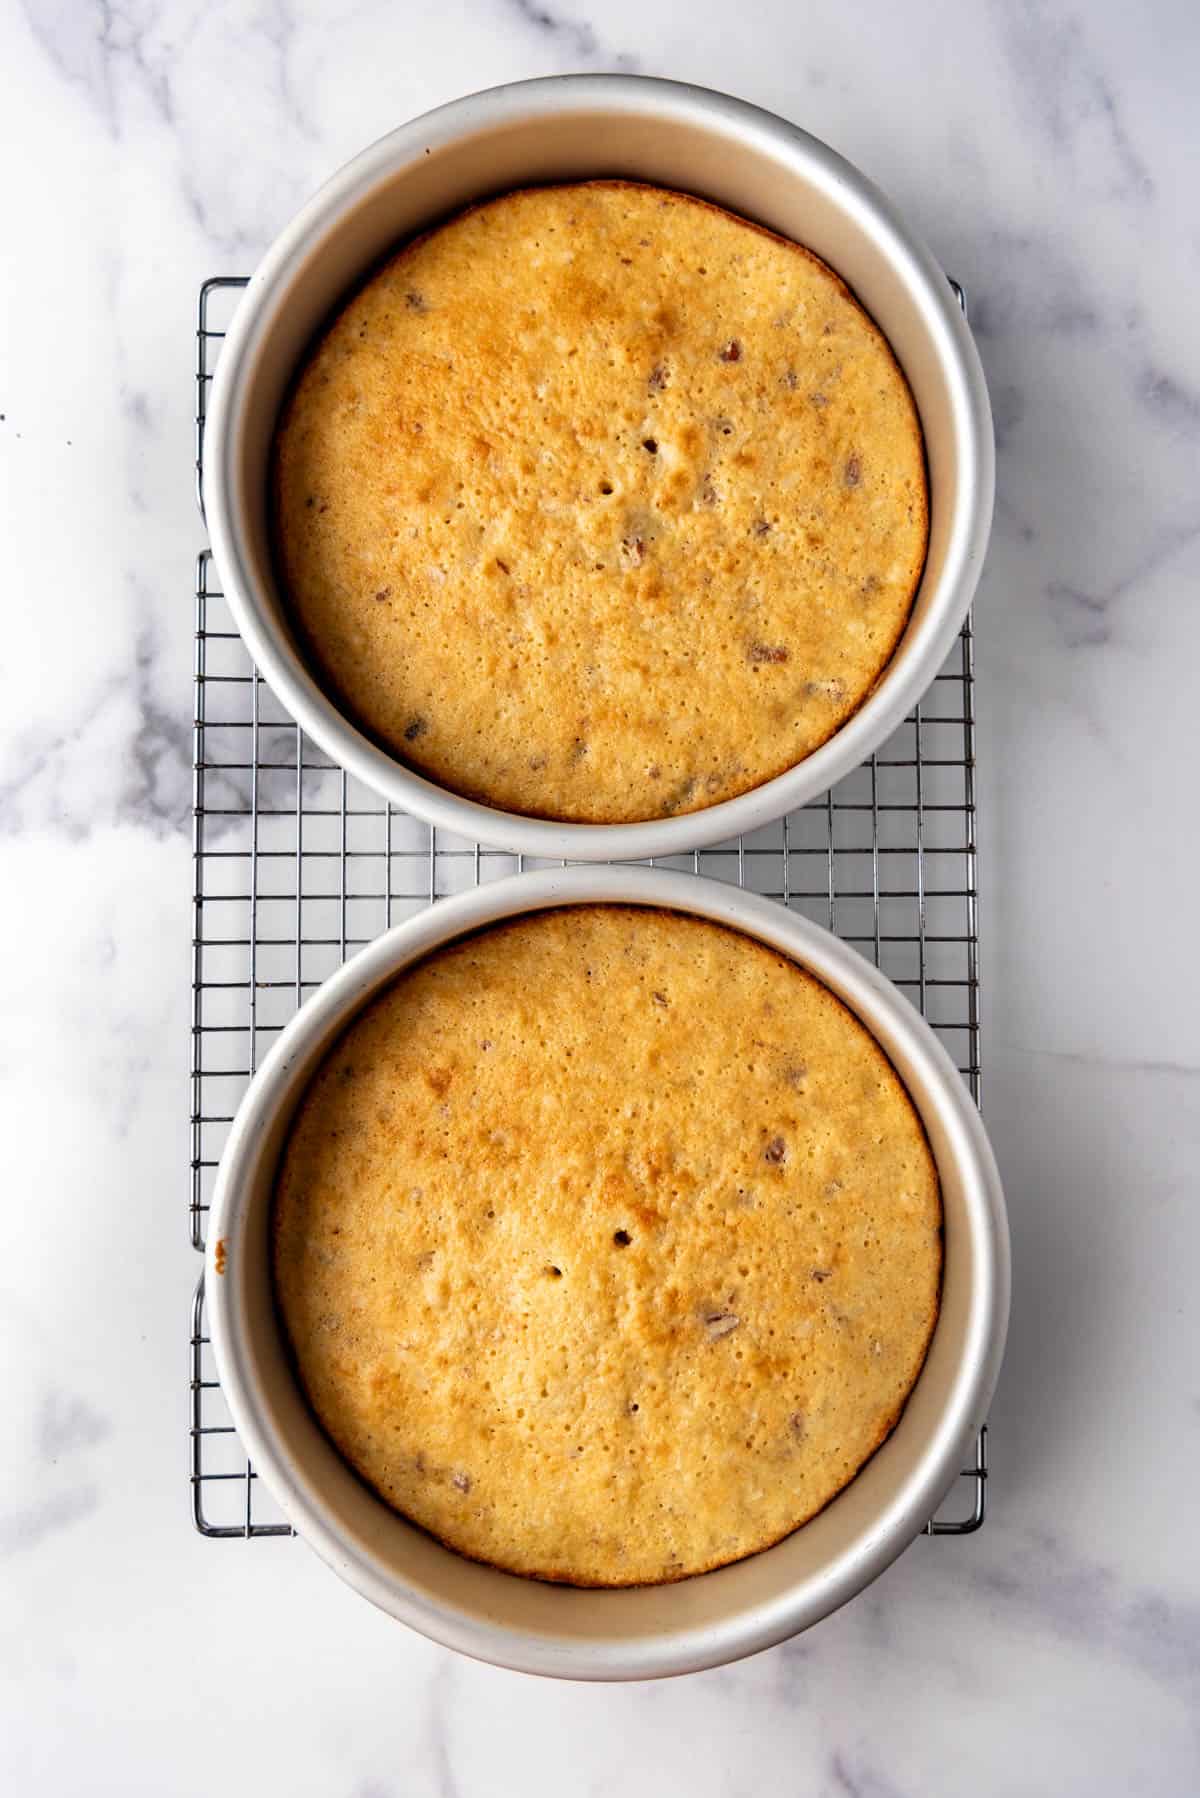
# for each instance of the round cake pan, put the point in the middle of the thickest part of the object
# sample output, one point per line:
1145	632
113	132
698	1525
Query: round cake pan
565	128
638	1632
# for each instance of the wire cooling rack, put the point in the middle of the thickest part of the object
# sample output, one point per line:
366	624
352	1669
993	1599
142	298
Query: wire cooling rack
297	865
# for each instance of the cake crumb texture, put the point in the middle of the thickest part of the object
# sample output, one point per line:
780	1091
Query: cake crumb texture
600	504
608	1244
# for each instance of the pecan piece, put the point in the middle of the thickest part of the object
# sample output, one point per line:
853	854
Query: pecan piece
759	653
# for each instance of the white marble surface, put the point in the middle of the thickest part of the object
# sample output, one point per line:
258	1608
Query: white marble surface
1049	155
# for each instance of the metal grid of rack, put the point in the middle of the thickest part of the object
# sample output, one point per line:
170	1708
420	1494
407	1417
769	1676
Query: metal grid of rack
297	865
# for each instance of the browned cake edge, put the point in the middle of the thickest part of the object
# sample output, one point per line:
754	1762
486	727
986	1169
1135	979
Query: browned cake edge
390	260
552	1576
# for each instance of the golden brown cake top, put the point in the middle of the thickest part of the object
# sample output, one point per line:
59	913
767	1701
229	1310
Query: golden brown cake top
608	1244
599	503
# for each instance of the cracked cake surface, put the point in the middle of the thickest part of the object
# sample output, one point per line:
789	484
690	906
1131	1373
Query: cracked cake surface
608	1245
598	503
